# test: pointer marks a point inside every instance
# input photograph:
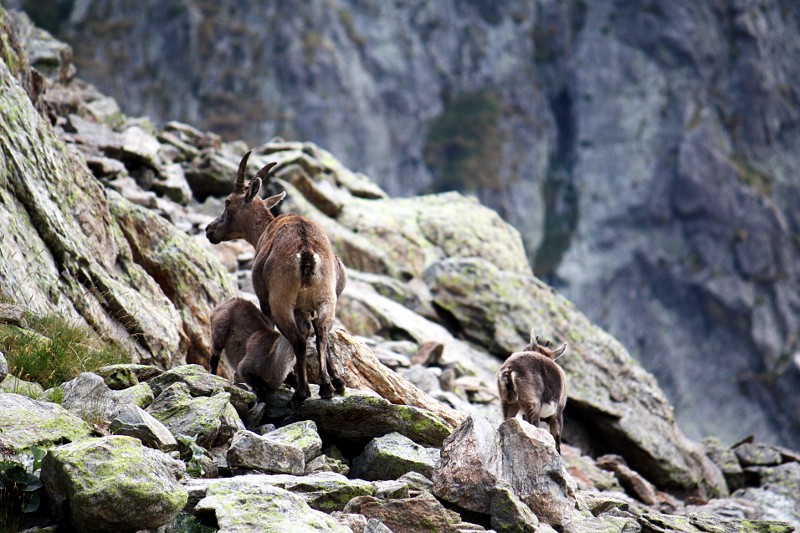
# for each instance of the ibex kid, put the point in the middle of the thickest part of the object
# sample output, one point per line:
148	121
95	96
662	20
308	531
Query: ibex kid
533	382
260	356
296	275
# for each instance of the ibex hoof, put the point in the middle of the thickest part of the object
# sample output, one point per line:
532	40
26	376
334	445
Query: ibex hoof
326	391
338	385
299	397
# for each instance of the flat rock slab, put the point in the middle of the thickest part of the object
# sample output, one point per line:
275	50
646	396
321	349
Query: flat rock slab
358	417
244	504
323	491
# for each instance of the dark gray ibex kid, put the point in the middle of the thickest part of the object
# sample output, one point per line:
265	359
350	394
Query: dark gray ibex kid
261	356
296	275
533	382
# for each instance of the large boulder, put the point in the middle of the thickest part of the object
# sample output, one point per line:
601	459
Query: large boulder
26	422
113	484
476	460
251	451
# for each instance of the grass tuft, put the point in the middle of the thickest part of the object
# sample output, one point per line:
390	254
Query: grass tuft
54	350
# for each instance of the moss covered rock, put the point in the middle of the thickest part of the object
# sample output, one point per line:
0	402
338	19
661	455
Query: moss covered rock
361	416
113	484
26	422
391	456
209	418
245	504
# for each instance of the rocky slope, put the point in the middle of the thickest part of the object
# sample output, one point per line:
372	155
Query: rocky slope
648	156
440	290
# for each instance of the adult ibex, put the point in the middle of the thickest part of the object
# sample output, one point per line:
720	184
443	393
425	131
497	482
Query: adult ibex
296	275
533	382
261	356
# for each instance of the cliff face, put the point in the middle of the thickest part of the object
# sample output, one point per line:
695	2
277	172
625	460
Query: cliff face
649	156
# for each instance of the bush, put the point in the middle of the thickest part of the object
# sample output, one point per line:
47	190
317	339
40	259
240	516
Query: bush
54	350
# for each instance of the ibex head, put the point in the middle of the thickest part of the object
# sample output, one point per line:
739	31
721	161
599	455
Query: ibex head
245	212
544	347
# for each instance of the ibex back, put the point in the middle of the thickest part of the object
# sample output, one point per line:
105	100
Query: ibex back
296	275
533	382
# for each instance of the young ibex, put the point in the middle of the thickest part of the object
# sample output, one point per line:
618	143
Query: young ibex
296	275
533	382
261	356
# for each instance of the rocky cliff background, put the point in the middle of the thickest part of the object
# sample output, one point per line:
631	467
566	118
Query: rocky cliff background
647	152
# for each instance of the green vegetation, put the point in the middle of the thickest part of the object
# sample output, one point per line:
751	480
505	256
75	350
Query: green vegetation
20	491
55	350
464	145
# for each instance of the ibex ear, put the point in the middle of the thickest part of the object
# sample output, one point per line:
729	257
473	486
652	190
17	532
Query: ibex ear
272	201
253	189
558	352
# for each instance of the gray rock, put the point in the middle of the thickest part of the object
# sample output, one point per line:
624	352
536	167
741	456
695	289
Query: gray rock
209	418
88	397
13	315
420	514
113	484
201	383
249	450
391	489
470	466
134	421
323	463
359	416
376	526
173	184
476	458
27	422
245	503
14	385
323	491
126	375
303	435
140	394
632	481
425	379
3	367
416	481
393	455
509	514
757	454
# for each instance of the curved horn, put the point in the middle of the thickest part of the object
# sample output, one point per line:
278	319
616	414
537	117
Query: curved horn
239	186
264	171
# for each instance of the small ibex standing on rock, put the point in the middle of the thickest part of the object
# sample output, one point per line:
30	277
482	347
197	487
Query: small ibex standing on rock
261	356
533	382
296	275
